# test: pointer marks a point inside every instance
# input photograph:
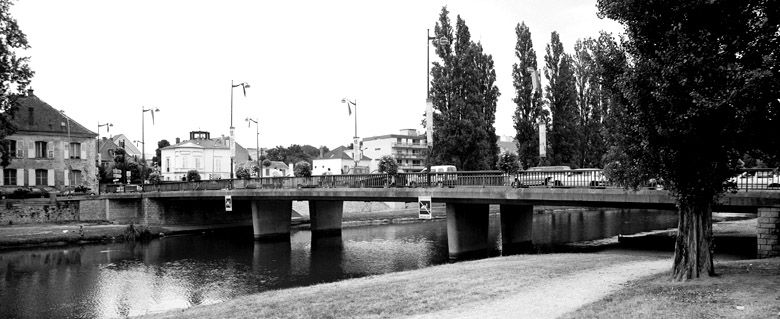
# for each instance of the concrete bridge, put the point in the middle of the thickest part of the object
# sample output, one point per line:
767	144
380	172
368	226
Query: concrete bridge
466	207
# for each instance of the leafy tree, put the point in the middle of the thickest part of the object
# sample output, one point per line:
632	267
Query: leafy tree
15	76
507	163
157	159
561	96
302	169
529	109
590	146
703	88
242	173
463	92
388	165
193	176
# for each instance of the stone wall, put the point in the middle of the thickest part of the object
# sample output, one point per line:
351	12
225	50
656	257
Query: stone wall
768	232
34	211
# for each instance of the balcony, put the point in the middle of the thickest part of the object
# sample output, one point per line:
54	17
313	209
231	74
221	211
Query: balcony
410	145
409	156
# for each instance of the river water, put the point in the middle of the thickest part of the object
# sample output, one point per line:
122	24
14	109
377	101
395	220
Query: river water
127	279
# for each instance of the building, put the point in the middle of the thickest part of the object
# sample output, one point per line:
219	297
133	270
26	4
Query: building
106	151
130	149
49	148
210	157
340	161
507	144
408	148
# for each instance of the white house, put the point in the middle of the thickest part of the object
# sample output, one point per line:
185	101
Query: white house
408	148
210	157
340	161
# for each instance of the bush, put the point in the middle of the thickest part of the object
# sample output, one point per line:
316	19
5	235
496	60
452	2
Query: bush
155	178
242	173
388	165
507	163
193	176
302	169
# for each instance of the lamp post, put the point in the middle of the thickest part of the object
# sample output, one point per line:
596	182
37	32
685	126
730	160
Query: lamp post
355	146
257	143
429	102
243	86
143	137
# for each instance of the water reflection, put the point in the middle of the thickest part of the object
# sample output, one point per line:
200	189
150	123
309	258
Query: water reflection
127	279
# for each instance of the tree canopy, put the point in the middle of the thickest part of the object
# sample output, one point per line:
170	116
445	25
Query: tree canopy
464	97
15	76
702	89
529	111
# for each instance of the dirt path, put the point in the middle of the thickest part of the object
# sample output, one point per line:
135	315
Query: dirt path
559	295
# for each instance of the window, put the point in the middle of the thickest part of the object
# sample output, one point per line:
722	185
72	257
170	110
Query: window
41	177
168	164
40	149
197	163
12	148
75	177
185	162
217	165
9	177
399	140
75	150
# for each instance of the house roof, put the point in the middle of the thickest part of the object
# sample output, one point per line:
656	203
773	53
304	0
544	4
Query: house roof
45	119
339	153
106	145
129	147
279	165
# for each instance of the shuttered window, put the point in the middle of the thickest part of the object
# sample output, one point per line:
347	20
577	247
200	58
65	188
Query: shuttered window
40	150
75	150
41	177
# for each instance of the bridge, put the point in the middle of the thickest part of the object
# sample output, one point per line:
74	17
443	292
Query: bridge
466	195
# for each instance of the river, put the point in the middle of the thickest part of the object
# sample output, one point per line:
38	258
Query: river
127	279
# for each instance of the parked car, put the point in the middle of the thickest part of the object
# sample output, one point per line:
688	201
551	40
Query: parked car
441	176
542	176
70	191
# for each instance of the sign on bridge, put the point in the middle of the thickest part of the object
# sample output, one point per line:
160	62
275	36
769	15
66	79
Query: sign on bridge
425	207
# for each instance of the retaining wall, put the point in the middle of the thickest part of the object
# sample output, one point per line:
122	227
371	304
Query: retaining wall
768	232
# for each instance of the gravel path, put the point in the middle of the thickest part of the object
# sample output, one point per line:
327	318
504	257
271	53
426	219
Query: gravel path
560	295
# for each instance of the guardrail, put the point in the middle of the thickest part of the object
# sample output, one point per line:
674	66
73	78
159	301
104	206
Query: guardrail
747	180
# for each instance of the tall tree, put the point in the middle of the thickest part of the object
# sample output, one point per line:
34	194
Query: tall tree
529	102
464	93
158	153
561	96
15	76
590	143
703	88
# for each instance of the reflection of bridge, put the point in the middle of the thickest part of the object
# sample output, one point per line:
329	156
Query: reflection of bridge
466	207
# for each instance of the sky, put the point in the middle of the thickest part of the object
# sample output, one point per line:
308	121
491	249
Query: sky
104	61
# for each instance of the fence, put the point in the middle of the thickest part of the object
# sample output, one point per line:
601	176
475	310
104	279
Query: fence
747	180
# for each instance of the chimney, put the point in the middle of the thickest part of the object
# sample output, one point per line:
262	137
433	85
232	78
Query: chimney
30	92
178	140
105	138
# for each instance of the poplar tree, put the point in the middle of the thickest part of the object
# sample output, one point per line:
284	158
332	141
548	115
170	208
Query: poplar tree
561	96
529	102
464	97
15	76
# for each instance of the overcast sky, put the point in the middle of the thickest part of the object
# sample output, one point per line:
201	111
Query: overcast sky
102	61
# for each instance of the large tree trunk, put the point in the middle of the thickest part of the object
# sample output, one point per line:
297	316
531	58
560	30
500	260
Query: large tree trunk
693	247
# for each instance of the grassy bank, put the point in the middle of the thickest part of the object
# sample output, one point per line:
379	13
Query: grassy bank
423	291
742	289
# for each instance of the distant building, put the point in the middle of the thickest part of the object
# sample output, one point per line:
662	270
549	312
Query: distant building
408	148
210	157
49	148
340	161
507	144
127	144
106	150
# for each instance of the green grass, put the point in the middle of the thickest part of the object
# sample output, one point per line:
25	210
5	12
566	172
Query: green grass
742	289
401	294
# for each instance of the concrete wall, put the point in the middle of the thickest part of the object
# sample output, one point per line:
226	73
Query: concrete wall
34	211
768	232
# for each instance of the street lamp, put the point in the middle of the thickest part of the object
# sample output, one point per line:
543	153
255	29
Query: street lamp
355	146
257	143
429	103
143	137
243	86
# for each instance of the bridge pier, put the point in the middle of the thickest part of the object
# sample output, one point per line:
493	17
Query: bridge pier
325	216
271	218
768	232
467	230
517	223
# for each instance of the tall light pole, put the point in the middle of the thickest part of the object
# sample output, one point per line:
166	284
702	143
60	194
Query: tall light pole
429	102
257	143
537	88
243	86
355	146
143	137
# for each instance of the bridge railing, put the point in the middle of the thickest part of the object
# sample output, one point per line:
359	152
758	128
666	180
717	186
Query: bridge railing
746	180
